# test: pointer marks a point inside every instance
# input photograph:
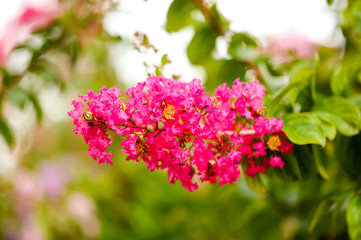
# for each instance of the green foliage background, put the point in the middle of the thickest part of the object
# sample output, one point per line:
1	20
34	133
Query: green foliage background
315	196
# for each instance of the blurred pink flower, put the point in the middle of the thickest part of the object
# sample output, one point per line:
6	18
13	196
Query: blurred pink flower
27	194
288	45
30	19
83	209
53	179
30	231
27	191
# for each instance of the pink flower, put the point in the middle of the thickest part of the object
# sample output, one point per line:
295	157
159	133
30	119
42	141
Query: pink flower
105	112
252	170
276	161
229	171
183	173
53	180
176	126
291	44
263	125
259	149
129	148
29	20
286	147
223	92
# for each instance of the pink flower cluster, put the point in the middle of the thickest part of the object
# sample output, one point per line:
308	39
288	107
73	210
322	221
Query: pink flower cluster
290	45
31	18
176	126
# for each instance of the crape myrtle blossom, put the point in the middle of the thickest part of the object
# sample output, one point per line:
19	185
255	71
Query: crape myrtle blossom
30	19
176	127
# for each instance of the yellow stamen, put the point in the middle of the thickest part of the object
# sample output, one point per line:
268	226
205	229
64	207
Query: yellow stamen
141	145
261	111
169	111
274	142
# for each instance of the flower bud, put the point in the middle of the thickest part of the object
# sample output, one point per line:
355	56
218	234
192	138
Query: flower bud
150	128
88	116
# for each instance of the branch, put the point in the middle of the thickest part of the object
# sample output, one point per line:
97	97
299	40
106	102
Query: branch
209	16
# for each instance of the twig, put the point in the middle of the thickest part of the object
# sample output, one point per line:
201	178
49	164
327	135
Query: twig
209	16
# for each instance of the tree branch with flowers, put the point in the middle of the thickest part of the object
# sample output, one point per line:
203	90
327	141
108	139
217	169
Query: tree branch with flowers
282	117
176	126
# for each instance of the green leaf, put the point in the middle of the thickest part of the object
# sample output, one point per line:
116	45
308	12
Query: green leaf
340	81
302	94
353	216
17	96
222	71
38	110
179	15
320	161
219	17
164	60
273	78
6	132
356	99
9	80
291	170
328	218
242	46
328	129
330	2
319	215
338	217
298	165
275	102
73	49
345	75
238	39
256	184
158	71
201	45
341	113
303	128
347	153
305	161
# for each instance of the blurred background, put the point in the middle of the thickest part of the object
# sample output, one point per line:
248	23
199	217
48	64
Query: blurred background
51	51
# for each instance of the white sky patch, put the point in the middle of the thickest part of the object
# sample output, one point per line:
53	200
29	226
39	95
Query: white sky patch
8	10
313	18
149	18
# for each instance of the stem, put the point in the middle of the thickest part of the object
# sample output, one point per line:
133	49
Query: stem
160	130
209	16
247	132
139	127
243	132
124	125
279	95
132	120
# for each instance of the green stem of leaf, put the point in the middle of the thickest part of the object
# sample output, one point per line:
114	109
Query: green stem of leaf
278	97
